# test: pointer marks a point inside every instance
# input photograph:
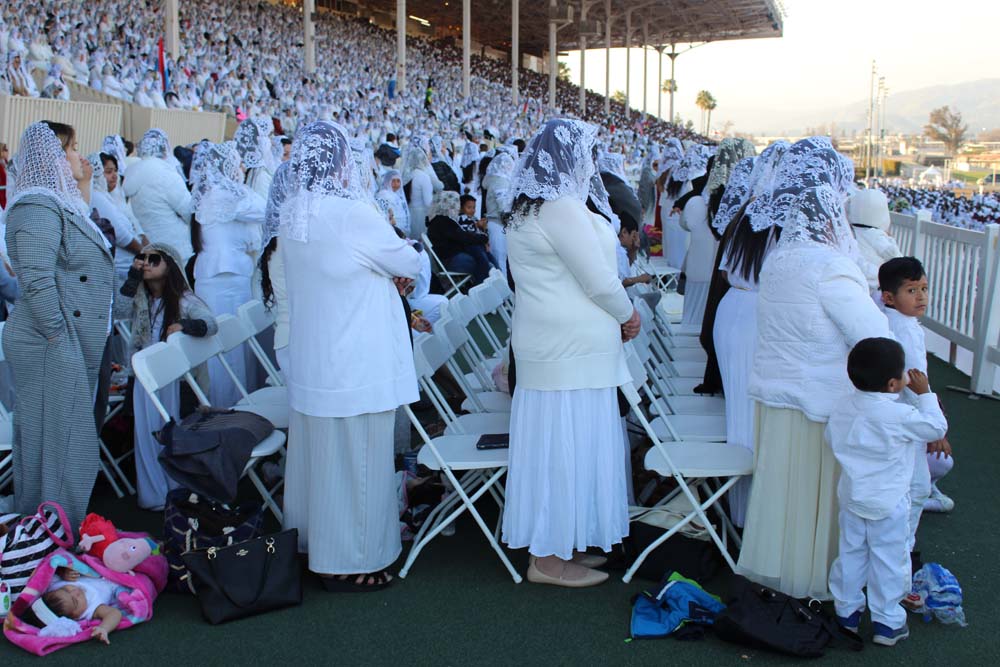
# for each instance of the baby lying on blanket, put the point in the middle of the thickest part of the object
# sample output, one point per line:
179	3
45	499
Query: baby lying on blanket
73	596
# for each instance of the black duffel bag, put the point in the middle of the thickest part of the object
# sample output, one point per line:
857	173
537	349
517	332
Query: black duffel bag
208	450
760	617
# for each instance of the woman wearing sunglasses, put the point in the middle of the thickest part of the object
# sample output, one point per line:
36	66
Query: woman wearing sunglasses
162	303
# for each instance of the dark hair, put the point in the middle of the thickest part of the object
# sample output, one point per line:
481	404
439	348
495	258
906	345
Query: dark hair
875	361
129	146
390	137
286	141
195	233
60	605
266	289
745	247
628	223
65	133
174	288
105	158
674	188
523	205
464	199
897	271
520	145
714	201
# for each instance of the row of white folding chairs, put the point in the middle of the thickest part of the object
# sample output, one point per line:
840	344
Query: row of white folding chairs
163	363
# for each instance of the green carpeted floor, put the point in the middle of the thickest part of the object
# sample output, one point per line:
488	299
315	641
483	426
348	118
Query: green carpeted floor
459	606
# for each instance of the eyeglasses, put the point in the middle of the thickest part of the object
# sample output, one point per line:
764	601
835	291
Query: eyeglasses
152	259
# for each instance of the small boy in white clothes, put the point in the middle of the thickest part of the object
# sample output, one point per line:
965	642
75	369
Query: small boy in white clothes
905	290
628	246
873	436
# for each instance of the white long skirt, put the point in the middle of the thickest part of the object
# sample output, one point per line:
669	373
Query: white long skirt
340	491
675	240
790	539
498	244
695	300
224	294
418	221
152	483
735	336
566	486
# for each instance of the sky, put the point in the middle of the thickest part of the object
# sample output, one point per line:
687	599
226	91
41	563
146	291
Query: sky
823	61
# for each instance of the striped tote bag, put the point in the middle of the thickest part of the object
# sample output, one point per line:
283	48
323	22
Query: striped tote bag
26	540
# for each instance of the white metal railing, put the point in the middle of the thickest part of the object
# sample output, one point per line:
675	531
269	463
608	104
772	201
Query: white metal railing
962	268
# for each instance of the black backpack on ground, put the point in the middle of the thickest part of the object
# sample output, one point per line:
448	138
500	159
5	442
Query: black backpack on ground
760	617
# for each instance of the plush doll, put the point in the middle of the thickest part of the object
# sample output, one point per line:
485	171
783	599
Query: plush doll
99	538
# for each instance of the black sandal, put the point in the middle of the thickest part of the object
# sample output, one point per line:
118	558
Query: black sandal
348	583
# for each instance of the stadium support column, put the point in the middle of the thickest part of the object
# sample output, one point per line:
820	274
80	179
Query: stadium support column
171	28
659	87
401	45
583	59
673	82
553	55
607	57
466	46
645	68
515	49
628	64
309	28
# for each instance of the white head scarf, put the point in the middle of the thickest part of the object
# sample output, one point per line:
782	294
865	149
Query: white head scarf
815	216
275	198
215	181
809	162
154	144
41	167
671	155
612	163
692	165
737	194
322	167
97	181
113	145
765	170
253	141
559	162
414	159
731	151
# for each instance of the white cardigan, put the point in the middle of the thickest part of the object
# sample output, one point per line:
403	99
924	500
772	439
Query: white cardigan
230	244
349	346
161	202
570	301
813	308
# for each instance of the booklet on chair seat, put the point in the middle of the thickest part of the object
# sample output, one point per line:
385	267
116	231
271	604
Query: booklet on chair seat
494	441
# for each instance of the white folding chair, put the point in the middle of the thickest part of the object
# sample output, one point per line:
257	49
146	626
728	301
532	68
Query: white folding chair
455	278
257	319
268	402
693	466
158	365
480	470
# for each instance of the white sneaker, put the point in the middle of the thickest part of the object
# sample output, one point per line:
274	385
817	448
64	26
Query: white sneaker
938	502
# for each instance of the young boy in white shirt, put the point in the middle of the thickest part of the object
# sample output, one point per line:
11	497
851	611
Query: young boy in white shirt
873	436
905	293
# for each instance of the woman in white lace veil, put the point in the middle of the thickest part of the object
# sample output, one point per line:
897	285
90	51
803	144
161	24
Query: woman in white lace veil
56	338
253	141
350	363
572	316
391	195
154	143
762	178
496	182
814	306
226	236
736	195
421	182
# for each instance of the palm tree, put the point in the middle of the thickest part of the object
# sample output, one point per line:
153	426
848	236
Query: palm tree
706	103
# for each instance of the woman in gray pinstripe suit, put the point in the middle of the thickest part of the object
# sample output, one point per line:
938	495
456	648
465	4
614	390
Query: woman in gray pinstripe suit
57	333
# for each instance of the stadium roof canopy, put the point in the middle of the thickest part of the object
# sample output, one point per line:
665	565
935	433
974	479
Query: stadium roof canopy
667	21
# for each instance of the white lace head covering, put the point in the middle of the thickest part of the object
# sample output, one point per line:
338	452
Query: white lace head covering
386	183
364	159
559	162
113	145
731	151
446	203
809	162
97	181
502	166
253	141
737	193
692	165
321	167
154	144
40	167
815	216
276	196
414	159
671	155
215	171
470	153
612	163
765	170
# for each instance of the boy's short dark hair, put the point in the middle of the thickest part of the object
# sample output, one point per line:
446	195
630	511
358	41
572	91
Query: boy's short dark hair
390	137
286	141
465	199
628	223
898	270
875	361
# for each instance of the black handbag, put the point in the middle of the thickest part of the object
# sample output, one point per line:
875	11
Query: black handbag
247	578
194	522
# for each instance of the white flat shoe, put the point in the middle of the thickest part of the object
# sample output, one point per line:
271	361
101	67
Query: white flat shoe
590	578
590	561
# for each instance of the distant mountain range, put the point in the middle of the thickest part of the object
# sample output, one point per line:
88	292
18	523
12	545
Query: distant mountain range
906	111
